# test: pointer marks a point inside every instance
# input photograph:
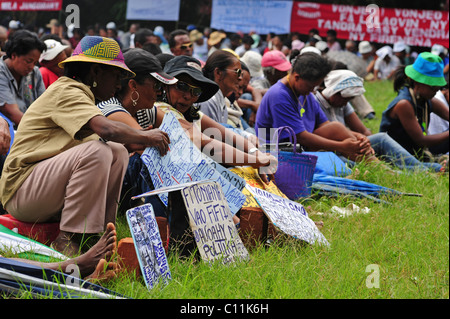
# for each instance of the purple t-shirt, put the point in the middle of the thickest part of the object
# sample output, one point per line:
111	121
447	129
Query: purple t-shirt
279	108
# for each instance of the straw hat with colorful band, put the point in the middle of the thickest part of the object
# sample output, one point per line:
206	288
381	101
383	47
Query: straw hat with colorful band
427	69
97	49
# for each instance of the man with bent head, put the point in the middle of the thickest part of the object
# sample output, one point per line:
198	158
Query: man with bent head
290	103
180	43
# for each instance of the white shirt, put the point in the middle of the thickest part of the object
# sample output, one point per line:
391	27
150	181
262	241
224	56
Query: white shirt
438	124
385	69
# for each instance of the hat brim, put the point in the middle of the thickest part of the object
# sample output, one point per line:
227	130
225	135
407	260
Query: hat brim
83	58
209	87
284	67
53	55
164	77
424	79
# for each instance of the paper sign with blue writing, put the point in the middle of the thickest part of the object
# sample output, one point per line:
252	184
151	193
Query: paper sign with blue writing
251	177
234	197
211	222
184	163
235	180
149	247
289	216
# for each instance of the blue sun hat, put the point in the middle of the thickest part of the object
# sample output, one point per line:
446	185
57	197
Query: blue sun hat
427	69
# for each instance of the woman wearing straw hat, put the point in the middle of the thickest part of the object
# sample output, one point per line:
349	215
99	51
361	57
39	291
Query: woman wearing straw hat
406	118
60	166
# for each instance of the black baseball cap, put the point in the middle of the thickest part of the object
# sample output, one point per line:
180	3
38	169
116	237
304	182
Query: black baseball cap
143	62
184	64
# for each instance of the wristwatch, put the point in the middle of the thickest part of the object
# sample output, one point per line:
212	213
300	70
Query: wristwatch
252	150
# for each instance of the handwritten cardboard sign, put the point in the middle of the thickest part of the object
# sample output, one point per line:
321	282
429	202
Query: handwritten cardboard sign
184	163
235	180
148	245
211	222
289	216
251	177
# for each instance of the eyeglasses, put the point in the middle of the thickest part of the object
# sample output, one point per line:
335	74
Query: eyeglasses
237	71
186	46
185	87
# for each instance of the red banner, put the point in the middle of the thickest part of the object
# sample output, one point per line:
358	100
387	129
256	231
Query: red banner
30	5
371	23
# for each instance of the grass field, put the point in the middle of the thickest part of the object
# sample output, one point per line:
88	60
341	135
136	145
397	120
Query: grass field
406	241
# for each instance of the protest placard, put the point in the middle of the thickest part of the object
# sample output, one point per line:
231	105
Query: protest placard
289	216
167	10
252	15
211	222
149	248
184	162
251	177
235	180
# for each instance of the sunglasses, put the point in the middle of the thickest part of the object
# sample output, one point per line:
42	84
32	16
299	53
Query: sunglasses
186	46
237	71
157	85
184	87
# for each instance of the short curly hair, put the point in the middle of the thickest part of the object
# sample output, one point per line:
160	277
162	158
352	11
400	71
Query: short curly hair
22	42
311	66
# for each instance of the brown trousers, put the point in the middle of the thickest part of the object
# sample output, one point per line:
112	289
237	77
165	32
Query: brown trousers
80	186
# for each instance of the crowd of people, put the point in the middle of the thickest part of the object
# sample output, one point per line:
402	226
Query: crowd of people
79	107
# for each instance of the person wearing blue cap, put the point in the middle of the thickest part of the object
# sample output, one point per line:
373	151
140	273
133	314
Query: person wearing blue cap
406	118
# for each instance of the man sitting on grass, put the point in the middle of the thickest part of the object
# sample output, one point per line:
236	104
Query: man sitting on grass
290	102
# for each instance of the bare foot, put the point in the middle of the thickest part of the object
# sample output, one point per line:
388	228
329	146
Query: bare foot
104	271
103	249
94	263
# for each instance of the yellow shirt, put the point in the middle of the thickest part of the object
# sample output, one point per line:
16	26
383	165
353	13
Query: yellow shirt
52	124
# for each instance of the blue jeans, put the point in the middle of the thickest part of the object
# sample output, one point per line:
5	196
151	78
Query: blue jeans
388	149
137	180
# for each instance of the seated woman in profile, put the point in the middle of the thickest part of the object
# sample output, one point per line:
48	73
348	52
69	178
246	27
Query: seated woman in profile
406	118
180	99
133	105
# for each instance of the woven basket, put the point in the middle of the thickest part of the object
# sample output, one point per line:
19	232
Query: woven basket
295	170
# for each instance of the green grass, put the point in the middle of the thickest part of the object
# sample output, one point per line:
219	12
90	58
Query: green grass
408	240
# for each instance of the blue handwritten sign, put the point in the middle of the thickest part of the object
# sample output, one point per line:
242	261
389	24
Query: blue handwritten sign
184	163
211	222
149	248
289	216
261	16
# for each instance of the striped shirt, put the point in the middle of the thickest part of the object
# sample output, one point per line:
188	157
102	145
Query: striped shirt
145	117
